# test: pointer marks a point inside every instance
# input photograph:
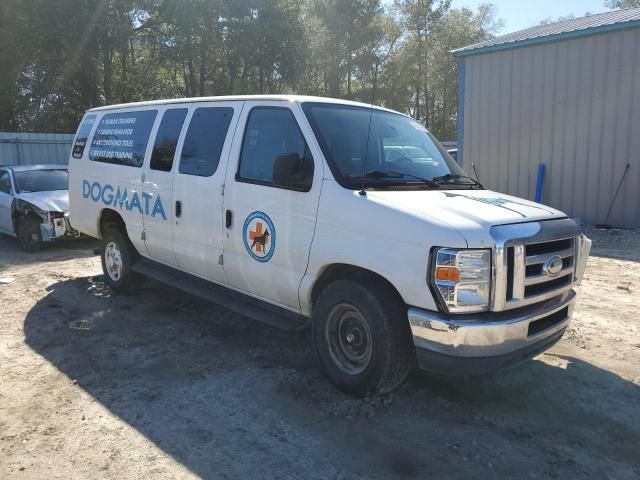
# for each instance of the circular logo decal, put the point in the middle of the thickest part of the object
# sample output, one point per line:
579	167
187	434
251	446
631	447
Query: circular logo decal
259	236
553	266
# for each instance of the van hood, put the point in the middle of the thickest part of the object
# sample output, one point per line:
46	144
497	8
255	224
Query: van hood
54	201
465	209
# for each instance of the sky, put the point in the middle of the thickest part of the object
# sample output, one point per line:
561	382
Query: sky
520	14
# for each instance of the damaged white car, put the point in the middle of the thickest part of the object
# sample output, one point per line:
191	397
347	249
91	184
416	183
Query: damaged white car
34	204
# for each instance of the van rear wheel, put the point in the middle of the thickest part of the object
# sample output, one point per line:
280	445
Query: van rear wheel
118	255
361	336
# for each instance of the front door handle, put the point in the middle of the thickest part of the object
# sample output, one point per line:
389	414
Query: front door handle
178	208
228	219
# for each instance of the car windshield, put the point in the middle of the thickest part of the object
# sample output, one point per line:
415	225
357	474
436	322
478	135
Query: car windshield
42	180
399	150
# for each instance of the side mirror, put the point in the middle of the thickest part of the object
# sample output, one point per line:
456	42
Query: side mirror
291	171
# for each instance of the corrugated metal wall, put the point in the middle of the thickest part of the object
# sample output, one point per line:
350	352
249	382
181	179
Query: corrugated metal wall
34	148
573	105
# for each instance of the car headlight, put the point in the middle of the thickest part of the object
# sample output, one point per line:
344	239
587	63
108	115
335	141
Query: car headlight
462	279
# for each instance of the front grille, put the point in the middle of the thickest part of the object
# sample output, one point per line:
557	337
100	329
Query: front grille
549	247
537	270
540	288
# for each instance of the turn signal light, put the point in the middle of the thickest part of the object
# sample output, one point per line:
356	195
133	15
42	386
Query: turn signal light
447	274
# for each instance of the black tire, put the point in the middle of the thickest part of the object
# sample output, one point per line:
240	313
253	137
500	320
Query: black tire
28	234
126	280
391	354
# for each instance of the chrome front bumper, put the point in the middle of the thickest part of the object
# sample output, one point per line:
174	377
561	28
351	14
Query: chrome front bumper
460	344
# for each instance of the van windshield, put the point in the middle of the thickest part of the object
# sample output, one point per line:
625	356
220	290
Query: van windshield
399	152
28	181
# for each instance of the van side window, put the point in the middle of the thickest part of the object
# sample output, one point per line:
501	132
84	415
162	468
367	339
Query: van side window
83	135
5	182
270	133
121	138
166	142
204	141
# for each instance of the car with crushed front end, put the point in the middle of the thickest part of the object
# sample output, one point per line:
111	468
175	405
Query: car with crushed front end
34	204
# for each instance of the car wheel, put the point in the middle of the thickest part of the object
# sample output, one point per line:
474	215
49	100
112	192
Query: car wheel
28	234
361	336
118	255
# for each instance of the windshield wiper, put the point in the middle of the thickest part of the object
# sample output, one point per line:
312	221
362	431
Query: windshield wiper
392	174
453	179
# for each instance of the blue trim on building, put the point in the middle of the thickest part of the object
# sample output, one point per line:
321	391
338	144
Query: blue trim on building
460	119
549	38
539	183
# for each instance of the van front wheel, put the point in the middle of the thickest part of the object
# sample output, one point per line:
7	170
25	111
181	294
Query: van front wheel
361	337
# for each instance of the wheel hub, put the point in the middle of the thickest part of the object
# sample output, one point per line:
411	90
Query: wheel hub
349	339
113	261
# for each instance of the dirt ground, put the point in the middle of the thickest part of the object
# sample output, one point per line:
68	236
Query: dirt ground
161	385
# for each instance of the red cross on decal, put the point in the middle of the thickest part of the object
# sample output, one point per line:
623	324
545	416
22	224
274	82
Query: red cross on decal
259	239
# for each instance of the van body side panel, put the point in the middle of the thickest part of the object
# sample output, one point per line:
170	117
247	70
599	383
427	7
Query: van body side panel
83	215
359	230
158	193
96	185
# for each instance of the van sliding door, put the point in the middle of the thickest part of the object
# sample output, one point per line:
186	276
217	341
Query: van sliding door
198	188
158	185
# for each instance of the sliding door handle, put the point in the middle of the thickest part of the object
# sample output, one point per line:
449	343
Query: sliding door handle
178	208
228	219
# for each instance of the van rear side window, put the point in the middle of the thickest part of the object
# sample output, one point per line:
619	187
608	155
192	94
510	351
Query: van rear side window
121	138
166	142
83	135
204	141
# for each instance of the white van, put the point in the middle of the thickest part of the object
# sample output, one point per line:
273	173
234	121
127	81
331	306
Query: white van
349	218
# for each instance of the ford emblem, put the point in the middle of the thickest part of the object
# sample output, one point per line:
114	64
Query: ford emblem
552	266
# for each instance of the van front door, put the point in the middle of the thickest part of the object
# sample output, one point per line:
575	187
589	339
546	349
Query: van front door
197	188
158	185
269	229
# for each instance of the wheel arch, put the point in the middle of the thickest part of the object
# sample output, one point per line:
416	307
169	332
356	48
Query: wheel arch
336	271
109	218
22	209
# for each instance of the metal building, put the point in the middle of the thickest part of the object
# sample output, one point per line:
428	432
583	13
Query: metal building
34	148
565	95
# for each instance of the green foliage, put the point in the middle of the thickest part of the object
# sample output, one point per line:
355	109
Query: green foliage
622	3
62	57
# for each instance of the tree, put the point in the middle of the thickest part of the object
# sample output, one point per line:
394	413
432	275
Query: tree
420	17
458	27
61	58
622	3
343	36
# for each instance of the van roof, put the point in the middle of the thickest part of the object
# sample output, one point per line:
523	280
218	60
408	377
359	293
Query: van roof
28	168
282	98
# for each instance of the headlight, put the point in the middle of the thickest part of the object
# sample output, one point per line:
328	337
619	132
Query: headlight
30	208
462	279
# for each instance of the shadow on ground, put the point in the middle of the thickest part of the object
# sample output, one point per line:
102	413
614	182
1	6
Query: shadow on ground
230	398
